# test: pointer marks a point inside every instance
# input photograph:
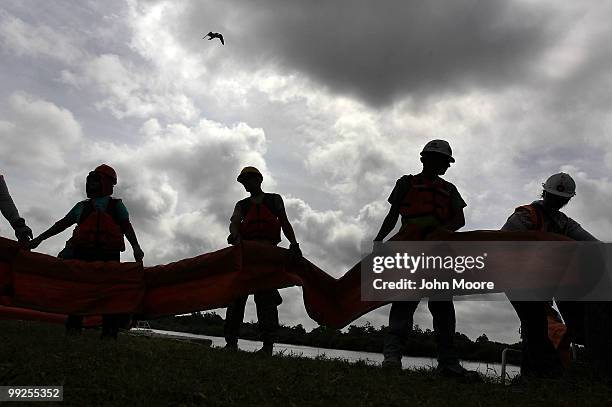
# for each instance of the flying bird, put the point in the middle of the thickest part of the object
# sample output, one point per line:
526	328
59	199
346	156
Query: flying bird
213	35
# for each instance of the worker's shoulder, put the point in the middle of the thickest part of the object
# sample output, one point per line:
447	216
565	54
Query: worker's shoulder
115	201
448	183
449	186
117	204
244	201
405	181
273	195
274	201
268	197
534	207
410	178
526	210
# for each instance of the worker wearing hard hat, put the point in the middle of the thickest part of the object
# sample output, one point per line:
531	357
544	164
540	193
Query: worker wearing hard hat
429	201
101	221
22	232
259	217
545	214
539	355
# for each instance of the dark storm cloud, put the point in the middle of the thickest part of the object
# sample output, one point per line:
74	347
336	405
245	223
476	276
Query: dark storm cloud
383	51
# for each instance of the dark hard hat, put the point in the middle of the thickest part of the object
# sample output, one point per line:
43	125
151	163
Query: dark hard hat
248	170
107	171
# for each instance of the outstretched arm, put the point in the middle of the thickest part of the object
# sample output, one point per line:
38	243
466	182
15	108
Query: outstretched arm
388	223
576	232
58	227
10	212
7	206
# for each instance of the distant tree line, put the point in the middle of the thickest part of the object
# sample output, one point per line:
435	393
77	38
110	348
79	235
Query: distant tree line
365	338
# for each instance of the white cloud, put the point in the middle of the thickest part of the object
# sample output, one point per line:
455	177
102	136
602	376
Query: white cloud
38	132
22	39
127	89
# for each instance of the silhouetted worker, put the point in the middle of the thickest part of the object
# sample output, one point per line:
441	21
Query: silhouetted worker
428	201
539	356
211	36
102	221
259	217
22	232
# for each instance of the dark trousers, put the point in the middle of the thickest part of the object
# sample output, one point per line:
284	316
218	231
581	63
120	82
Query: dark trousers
401	319
573	313
589	323
110	322
266	302
539	356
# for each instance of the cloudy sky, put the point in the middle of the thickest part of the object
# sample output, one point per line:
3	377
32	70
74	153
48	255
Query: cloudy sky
331	100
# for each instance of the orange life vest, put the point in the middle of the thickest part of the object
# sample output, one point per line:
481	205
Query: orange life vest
535	215
427	197
260	221
98	229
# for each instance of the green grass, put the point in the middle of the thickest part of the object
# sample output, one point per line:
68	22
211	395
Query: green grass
151	371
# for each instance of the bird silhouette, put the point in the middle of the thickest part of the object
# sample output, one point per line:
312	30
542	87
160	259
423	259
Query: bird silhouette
213	35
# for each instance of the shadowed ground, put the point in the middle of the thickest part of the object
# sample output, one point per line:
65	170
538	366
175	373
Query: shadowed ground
152	372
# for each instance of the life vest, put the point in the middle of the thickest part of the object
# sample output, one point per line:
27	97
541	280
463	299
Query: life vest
98	229
426	197
535	216
260	221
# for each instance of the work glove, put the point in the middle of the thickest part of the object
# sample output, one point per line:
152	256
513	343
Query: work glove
294	251
22	232
233	240
33	244
138	253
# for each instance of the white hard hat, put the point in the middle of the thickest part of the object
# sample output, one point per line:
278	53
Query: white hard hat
439	146
560	184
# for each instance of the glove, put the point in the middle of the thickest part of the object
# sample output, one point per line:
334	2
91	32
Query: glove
33	244
233	240
23	234
294	251
138	253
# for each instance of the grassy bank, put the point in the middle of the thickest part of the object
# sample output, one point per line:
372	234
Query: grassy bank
149	371
365	338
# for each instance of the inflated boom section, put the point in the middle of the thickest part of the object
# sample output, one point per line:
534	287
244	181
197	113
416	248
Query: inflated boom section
40	287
